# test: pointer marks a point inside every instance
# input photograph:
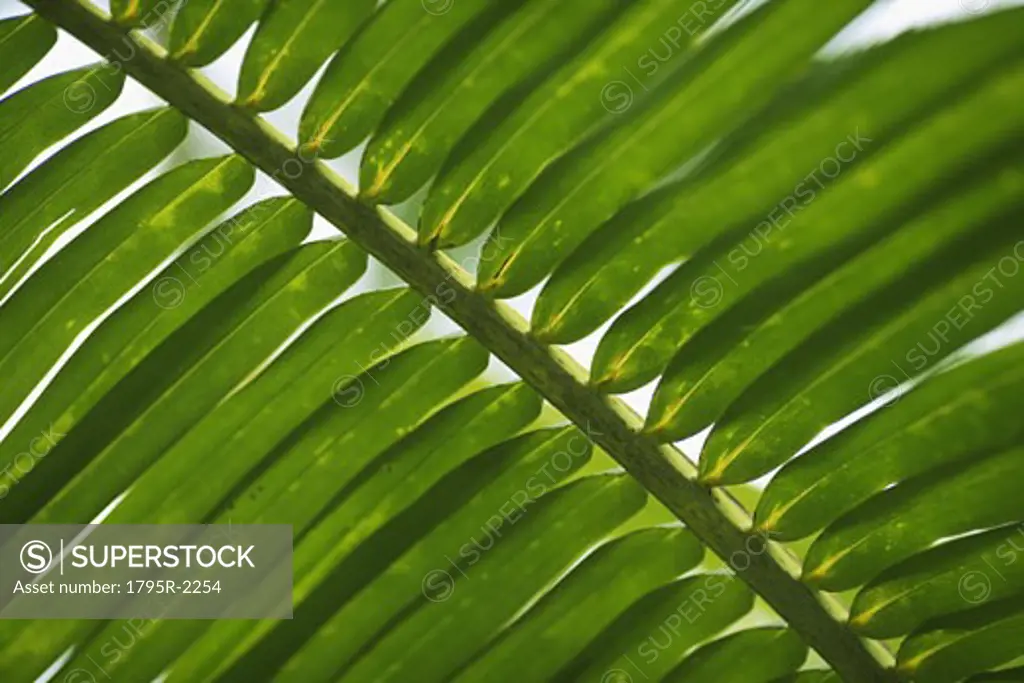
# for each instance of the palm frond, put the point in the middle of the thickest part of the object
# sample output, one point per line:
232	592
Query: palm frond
833	229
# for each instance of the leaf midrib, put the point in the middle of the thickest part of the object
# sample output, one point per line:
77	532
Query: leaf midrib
26	21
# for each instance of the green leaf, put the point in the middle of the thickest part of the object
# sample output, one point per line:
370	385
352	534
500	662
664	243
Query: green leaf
396	537
951	501
656	633
176	386
122	342
839	369
522	471
752	656
438	637
457	88
403	392
390	488
203	30
318	367
811	677
39	115
839	225
849	106
313	470
76	181
475	188
958	646
24	41
142	12
611	579
372	70
1003	676
191	372
950	578
292	41
571	199
714	368
82	281
391	483
952	416
384	483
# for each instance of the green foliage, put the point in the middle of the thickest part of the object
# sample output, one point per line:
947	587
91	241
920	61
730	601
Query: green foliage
836	228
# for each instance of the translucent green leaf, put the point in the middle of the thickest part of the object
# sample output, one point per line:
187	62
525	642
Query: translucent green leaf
958	646
714	368
579	192
191	372
82	281
941	505
258	417
847	364
24	41
835	227
848	107
953	416
76	181
319	463
523	471
441	635
203	30
369	74
342	439
293	39
478	186
388	489
122	342
584	603
656	633
391	482
951	578
456	89
751	656
39	115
